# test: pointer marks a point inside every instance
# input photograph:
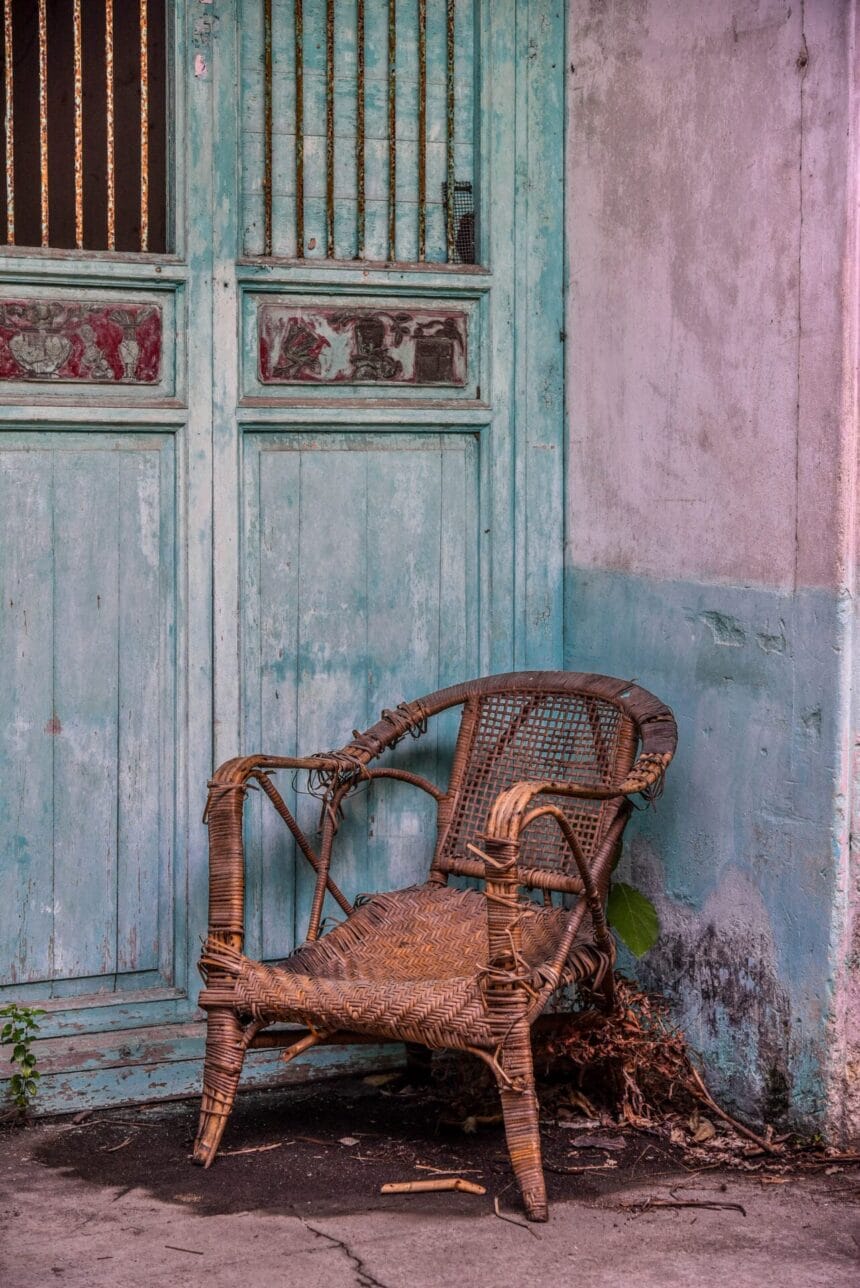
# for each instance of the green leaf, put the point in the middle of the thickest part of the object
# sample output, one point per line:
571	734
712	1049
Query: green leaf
31	1087
19	1052
633	918
6	1033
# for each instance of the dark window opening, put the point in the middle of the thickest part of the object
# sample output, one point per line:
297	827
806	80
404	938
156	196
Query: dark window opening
83	146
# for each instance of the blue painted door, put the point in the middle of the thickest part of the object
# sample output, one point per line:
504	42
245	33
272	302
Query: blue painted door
341	488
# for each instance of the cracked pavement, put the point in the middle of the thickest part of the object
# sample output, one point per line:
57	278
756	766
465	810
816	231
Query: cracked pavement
114	1202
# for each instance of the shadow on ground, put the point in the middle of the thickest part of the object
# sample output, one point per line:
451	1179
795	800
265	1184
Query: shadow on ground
329	1148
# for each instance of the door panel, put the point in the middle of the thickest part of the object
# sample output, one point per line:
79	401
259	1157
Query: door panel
88	586
360	574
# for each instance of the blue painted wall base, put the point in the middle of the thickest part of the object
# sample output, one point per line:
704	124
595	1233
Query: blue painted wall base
740	855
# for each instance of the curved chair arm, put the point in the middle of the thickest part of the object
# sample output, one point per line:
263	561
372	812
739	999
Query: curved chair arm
592	894
228	787
511	814
405	776
511	806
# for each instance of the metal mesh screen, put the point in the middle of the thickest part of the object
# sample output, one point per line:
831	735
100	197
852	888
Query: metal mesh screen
464	221
522	736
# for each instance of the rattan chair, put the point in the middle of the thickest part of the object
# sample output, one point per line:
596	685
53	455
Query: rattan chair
539	794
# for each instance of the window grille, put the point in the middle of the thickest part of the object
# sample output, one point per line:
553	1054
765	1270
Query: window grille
359	118
83	125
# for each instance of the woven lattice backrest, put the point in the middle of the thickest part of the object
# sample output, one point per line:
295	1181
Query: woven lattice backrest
519	736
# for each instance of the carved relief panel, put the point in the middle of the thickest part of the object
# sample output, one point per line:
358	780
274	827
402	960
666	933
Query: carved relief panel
64	340
361	346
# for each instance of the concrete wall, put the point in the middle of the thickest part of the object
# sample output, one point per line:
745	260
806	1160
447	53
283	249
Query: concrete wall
712	478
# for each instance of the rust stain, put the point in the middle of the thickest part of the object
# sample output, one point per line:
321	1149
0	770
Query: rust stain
43	119
359	131
267	127
110	178
422	128
10	123
329	129
392	131
79	126
54	725
449	132
298	27
144	126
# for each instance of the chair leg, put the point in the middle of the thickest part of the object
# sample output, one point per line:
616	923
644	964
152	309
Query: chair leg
520	1112
225	1055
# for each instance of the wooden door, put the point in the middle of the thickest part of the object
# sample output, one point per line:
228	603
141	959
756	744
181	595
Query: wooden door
342	488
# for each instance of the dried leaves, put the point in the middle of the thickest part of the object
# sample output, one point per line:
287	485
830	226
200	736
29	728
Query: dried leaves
630	1068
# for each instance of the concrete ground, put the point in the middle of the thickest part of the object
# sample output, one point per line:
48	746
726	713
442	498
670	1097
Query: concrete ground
114	1202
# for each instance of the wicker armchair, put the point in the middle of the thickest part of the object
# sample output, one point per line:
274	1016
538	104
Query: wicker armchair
543	770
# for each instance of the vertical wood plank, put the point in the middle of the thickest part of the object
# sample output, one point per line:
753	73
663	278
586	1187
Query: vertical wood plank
140	872
404	506
26	713
344	618
498	119
541	313
86	701
279	481
332	632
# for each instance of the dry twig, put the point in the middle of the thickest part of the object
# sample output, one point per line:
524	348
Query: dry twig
649	1205
434	1186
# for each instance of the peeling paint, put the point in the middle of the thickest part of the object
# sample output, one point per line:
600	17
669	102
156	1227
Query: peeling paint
771	643
725	630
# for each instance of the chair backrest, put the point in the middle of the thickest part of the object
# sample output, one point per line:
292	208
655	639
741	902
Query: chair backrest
522	734
560	726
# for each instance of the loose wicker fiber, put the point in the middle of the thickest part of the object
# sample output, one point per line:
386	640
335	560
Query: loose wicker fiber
538	797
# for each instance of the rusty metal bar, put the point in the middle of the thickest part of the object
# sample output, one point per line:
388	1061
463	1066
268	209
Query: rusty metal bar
359	133
267	127
79	125
422	129
329	129
144	125
300	129
110	137
43	119
392	130
8	56
449	134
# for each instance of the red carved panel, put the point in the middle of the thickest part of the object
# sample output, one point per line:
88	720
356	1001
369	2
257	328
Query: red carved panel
97	343
313	344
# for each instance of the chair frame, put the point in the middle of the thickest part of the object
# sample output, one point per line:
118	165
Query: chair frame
514	994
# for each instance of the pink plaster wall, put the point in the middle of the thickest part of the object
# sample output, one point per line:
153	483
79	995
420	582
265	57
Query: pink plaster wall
709	207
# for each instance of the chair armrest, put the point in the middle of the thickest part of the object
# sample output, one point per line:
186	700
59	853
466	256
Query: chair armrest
513	811
512	806
224	811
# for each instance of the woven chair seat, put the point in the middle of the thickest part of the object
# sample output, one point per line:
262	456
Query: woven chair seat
407	965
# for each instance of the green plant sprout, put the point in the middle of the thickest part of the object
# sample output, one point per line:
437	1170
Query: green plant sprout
20	1029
